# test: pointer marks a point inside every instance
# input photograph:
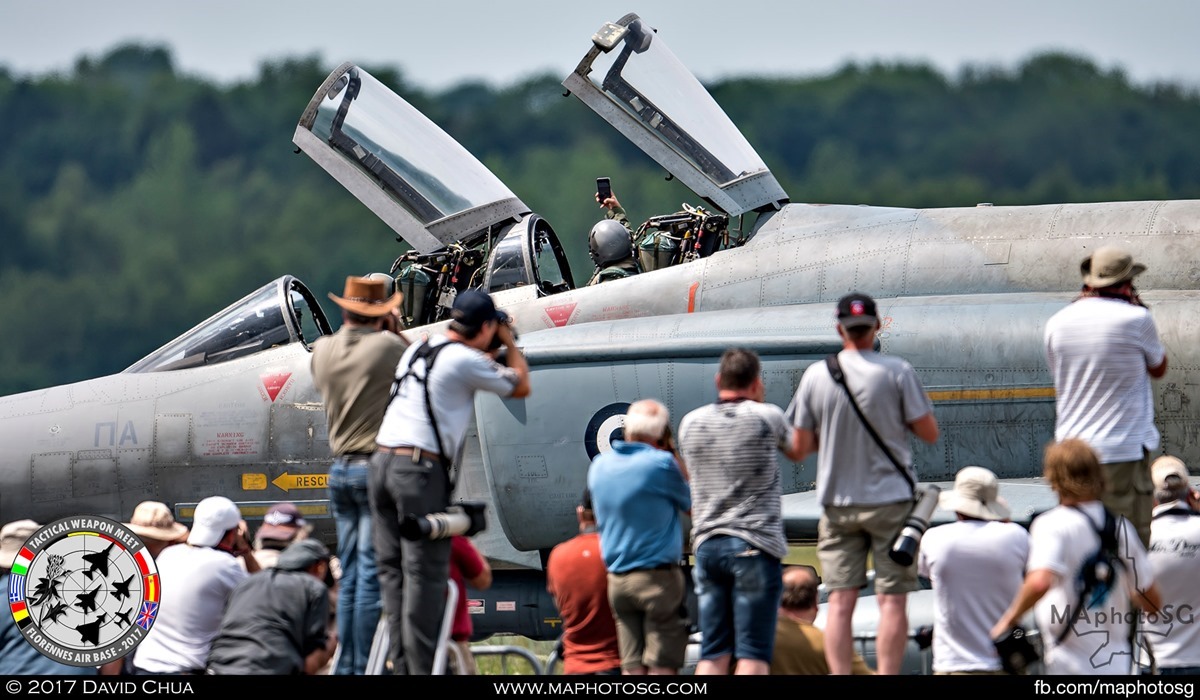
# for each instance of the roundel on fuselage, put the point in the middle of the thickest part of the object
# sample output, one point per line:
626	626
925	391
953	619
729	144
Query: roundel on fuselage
606	425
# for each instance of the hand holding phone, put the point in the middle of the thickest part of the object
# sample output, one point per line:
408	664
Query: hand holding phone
603	189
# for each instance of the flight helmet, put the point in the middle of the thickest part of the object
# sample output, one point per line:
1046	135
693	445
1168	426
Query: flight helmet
609	242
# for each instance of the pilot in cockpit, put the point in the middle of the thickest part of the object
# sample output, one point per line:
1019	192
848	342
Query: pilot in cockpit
610	243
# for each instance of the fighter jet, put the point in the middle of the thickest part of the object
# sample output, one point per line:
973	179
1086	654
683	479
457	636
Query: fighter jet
86	601
122	618
90	632
98	562
229	407
121	588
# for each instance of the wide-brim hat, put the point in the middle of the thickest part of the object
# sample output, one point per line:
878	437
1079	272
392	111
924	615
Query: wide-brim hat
153	521
976	494
1109	265
367	297
12	537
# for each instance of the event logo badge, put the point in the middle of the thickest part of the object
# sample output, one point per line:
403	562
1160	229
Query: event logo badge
84	590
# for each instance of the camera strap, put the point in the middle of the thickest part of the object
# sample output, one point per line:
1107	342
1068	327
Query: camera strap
428	353
835	371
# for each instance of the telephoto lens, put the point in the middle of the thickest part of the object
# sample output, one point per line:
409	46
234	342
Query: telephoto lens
904	551
464	518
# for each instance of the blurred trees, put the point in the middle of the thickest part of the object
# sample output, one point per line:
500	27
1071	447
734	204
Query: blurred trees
136	201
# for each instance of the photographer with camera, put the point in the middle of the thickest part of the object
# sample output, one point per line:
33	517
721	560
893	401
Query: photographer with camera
639	493
737	523
412	468
1086	575
353	370
857	410
976	565
1174	542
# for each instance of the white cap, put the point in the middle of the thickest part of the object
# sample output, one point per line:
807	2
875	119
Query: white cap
1164	467
214	516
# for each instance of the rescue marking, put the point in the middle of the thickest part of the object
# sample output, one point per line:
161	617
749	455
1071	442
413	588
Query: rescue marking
288	482
274	383
560	314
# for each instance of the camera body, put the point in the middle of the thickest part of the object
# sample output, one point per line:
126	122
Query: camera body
463	518
904	550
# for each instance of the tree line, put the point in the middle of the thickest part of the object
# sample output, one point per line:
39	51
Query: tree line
135	201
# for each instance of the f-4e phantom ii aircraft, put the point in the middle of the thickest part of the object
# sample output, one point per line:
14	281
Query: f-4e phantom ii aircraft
229	407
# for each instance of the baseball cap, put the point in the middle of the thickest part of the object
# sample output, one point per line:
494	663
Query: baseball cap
1164	467
281	522
857	310
302	554
12	537
474	308
214	516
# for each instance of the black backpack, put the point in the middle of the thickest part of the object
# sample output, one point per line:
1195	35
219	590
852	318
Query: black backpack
1098	574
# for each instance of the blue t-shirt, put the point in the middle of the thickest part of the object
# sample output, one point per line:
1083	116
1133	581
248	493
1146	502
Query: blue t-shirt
638	492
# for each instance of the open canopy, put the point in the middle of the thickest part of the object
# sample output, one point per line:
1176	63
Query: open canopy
634	81
429	189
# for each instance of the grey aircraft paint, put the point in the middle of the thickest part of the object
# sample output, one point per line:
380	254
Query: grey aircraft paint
964	293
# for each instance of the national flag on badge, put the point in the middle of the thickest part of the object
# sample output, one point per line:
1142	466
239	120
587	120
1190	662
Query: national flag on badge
16	588
146	617
22	561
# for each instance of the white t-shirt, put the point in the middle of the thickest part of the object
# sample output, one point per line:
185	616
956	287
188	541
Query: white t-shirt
976	568
1060	540
1174	555
196	583
1098	350
458	372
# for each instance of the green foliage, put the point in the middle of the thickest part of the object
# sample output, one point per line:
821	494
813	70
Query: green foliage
136	201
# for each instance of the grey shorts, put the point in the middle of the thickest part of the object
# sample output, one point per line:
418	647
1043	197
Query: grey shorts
847	534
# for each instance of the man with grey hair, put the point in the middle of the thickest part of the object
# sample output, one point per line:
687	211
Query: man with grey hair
1102	350
638	491
1175	558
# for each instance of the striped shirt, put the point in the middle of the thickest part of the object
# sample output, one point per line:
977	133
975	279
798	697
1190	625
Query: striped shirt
1098	350
730	450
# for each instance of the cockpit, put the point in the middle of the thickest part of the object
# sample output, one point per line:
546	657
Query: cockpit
466	228
281	312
